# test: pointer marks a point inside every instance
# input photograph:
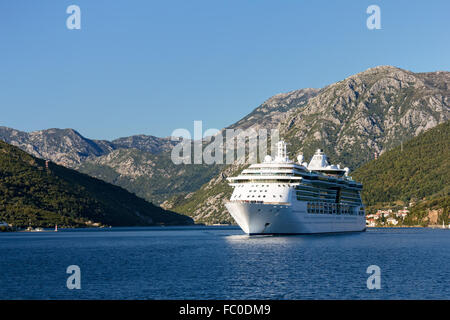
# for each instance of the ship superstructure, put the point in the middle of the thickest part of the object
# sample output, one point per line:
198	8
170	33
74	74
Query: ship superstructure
280	196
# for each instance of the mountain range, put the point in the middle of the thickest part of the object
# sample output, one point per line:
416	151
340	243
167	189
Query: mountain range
353	120
369	112
153	177
69	148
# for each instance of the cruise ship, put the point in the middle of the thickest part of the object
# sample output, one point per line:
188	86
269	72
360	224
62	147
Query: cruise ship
279	196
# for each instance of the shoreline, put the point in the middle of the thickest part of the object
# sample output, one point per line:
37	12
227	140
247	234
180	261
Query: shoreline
47	230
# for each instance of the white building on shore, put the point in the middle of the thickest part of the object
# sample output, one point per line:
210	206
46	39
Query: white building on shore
392	221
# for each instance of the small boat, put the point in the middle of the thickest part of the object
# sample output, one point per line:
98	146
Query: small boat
38	229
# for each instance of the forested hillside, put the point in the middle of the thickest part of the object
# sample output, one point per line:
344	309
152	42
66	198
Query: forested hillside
31	194
417	172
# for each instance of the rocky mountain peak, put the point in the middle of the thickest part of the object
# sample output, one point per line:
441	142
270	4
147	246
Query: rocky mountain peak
145	143
369	112
270	113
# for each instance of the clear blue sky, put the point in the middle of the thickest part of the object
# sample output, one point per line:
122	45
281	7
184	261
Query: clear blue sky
153	66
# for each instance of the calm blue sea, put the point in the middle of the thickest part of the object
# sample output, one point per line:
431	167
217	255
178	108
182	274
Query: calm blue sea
223	263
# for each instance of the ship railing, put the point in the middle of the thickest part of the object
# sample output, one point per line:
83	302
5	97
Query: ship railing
261	202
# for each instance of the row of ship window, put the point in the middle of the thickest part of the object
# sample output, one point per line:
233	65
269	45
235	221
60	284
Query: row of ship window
253	196
255	186
330	208
258	196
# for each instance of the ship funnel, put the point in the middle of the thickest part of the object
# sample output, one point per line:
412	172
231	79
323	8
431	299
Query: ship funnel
347	171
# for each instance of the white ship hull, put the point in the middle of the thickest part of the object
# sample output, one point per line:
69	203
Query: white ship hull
264	218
